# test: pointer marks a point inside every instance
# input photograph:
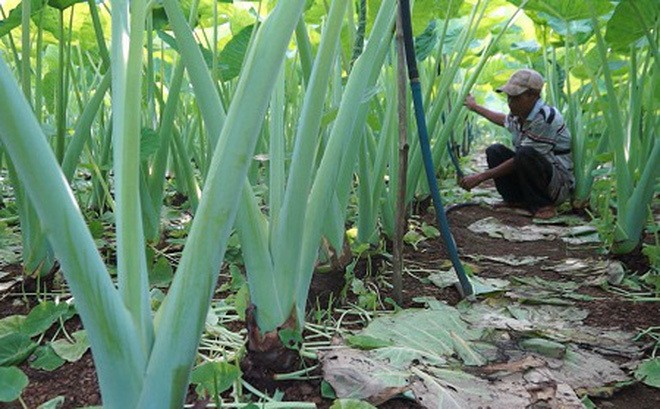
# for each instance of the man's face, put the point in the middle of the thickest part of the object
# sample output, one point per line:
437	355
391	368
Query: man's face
521	105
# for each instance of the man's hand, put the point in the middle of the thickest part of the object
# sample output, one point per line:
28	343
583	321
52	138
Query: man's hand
470	102
470	181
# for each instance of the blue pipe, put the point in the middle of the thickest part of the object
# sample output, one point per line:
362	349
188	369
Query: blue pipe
418	104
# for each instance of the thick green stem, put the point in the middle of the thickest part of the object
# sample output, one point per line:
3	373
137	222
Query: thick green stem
127	34
119	360
60	108
181	318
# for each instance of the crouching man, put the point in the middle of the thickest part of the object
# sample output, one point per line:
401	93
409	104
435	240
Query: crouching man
538	173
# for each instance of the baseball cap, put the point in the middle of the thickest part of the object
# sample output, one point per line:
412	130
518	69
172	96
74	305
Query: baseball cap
521	81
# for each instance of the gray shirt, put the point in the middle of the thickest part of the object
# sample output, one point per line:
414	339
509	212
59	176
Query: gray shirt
546	132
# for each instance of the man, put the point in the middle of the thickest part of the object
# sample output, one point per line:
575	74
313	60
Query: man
539	174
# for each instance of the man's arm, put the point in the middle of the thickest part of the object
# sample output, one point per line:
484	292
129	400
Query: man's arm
495	117
503	169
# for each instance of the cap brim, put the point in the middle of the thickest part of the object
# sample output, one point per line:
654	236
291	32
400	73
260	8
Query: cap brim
512	90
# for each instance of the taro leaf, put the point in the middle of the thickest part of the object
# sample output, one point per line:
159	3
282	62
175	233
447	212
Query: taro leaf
49	83
587	371
513	260
413	238
567	10
579	30
544	347
161	273
366	342
630	20
430	231
447	389
159	18
588	403
455	28
454	389
42	317
215	377
327	391
423	11
242	301
8	257
12	383
444	279
72	352
468	355
231	57
351	404
425	43
315	11
423	335
290	338
46	359
63	4
237	278
149	143
649	372
54	403
15	348
11	324
496	229
530	46
361	375
548	316
13	20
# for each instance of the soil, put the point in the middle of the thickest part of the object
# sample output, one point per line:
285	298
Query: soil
77	381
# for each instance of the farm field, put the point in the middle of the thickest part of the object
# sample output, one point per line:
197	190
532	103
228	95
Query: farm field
258	204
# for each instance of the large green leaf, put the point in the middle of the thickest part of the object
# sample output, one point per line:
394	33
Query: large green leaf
592	64
42	317
351	404
567	10
232	56
215	377
63	4
630	20
46	359
14	17
422	13
12	383
11	324
443	335
55	403
149	143
579	30
72	351
649	372
161	273
227	12
14	348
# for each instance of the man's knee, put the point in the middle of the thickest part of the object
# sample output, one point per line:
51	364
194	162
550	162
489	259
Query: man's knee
529	160
526	152
497	153
496	149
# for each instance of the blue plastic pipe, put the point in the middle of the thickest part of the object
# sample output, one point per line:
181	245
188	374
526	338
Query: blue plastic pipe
441	216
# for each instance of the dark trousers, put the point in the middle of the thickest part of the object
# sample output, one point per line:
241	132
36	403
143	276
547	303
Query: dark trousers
528	183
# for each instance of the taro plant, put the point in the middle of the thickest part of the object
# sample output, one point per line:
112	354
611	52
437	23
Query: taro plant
144	361
280	250
630	110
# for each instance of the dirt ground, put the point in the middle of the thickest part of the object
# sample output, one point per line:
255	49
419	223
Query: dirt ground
77	381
